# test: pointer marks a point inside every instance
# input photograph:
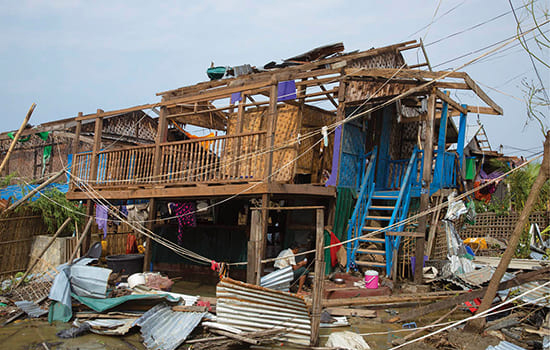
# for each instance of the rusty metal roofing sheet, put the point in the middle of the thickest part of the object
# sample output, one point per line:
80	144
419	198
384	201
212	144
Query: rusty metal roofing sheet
477	277
164	329
252	308
279	279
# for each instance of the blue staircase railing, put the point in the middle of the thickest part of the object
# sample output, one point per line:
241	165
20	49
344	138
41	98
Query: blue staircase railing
364	197
401	209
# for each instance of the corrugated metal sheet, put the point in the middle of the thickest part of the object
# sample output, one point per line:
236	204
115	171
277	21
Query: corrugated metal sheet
89	281
539	297
106	326
30	308
279	279
504	345
187	299
477	277
162	328
252	308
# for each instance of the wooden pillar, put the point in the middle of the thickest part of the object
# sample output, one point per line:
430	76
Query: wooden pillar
239	130
425	189
76	145
316	306
266	197
162	132
92	181
150	226
252	275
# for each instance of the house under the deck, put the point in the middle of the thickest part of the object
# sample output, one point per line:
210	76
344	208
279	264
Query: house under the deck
380	125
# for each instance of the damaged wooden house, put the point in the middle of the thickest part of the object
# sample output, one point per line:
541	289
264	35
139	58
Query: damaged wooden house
362	135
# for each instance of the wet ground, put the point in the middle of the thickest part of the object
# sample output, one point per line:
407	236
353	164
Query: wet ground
38	334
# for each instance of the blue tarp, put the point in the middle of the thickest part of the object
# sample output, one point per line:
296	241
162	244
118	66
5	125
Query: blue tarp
16	192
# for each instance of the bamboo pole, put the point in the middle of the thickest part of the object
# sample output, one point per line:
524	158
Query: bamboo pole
61	228
544	173
16	138
84	234
36	190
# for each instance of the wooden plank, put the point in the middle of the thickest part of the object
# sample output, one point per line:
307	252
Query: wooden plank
255	232
351	312
459	299
405	234
482	95
450	101
402	73
451	85
317	296
208	191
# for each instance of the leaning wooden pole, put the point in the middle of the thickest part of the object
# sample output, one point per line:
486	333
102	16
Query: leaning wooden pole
36	190
317	297
79	243
16	138
542	177
37	258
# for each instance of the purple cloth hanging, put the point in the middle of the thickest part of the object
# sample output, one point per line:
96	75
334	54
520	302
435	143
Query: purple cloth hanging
286	90
236	96
185	213
335	157
101	216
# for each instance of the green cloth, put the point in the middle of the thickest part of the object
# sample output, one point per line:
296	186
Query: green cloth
345	203
43	135
11	135
470	168
59	312
100	305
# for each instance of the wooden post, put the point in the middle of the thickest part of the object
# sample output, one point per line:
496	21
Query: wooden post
425	190
162	132
76	145
542	177
316	307
81	240
150	227
271	127
16	138
255	231
98	130
37	258
36	190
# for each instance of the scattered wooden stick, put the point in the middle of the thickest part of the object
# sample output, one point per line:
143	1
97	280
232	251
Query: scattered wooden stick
16	138
415	333
36	190
79	243
33	264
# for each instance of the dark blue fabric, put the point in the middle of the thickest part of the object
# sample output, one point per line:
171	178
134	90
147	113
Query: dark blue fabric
286	90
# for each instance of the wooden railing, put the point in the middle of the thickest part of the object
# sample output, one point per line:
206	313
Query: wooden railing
228	158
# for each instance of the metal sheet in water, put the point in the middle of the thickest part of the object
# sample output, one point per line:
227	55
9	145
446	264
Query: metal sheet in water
279	279
252	308
30	308
162	328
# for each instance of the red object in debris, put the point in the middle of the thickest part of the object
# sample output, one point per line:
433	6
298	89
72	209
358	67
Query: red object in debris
204	303
131	244
471	307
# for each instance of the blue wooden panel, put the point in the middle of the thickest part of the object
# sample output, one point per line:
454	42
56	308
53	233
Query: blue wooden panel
352	156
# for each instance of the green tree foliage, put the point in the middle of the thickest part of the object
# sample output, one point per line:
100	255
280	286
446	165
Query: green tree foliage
55	209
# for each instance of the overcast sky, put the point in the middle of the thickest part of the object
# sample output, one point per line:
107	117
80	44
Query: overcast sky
71	56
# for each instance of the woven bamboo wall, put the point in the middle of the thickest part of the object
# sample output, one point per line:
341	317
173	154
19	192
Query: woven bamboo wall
288	123
486	225
17	231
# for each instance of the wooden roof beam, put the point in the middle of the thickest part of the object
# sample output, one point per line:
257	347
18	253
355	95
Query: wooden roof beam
482	95
450	101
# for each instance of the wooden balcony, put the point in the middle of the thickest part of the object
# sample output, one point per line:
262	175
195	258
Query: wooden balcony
221	159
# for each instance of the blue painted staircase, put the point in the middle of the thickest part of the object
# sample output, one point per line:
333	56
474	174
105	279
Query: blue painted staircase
377	214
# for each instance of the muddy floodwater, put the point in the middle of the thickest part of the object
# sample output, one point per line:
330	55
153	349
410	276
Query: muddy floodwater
38	334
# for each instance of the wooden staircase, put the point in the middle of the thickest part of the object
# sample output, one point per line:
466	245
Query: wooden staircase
377	212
